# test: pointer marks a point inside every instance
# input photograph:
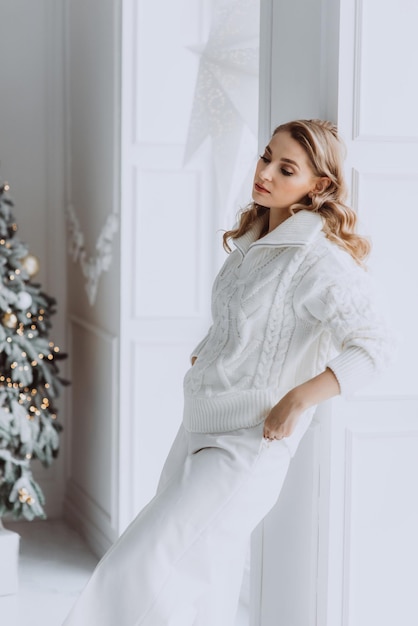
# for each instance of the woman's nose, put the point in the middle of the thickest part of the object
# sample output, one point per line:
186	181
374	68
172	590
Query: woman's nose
267	172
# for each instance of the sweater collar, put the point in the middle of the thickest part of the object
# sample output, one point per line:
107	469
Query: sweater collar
297	230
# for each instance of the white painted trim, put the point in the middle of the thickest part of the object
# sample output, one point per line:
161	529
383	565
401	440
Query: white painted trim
87	527
125	443
351	436
357	95
265	65
358	40
107	523
347	527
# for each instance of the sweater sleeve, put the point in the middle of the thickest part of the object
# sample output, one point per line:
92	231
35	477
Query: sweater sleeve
364	344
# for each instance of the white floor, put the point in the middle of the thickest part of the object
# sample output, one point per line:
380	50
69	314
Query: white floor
54	566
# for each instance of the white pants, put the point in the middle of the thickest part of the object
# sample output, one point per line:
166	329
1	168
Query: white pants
180	562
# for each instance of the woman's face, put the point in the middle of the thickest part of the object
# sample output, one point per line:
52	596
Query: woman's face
283	175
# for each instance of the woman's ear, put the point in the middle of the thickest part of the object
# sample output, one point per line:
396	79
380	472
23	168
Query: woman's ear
321	184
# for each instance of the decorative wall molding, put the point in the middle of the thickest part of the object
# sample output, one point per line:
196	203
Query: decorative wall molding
92	265
87	517
360	37
96	521
353	438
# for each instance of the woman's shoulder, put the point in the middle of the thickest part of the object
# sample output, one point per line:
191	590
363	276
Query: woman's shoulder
328	263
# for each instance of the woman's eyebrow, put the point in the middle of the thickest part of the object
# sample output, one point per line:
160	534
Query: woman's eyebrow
290	161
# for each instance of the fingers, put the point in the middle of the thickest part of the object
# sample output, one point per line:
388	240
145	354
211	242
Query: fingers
271	436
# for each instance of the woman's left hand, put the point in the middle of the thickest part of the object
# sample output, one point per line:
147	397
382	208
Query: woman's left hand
283	417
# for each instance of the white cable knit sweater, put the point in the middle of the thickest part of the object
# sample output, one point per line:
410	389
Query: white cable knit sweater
284	308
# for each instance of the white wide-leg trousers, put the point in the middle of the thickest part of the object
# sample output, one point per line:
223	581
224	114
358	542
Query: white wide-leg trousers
180	562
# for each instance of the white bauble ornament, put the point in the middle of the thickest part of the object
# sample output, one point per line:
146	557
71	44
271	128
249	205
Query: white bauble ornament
31	264
24	300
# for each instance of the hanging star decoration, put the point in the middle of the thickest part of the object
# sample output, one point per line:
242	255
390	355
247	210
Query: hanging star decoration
226	93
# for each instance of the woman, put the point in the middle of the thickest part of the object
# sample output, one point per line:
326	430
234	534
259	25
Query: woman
293	325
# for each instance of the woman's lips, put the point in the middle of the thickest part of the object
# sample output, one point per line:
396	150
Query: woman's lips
260	189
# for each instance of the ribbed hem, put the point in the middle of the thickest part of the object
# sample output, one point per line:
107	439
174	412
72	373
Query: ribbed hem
353	368
228	412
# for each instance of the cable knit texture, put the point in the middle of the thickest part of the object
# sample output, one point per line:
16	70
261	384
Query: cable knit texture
284	308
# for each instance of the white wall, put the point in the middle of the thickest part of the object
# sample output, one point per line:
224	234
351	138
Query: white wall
92	156
31	160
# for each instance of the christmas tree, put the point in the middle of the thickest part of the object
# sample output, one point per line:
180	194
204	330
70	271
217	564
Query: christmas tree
29	374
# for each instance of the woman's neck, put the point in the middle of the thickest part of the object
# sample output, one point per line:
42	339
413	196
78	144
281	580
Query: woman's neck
277	217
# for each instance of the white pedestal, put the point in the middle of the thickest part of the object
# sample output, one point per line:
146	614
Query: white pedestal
9	557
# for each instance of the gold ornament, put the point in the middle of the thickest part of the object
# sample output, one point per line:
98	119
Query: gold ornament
31	264
25	497
9	320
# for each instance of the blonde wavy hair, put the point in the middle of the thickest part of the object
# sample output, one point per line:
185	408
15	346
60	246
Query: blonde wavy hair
324	148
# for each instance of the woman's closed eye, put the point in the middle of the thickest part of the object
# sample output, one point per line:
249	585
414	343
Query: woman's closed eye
264	158
286	172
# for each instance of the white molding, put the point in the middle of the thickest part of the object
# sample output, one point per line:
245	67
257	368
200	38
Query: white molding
265	70
379	174
136	236
355	181
357	92
107	522
358	40
89	526
351	436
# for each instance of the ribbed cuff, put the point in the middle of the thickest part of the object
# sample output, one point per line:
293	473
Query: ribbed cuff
353	368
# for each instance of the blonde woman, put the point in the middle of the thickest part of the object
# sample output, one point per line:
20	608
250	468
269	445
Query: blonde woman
293	325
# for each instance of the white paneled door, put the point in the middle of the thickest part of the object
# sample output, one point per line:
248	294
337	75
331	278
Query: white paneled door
168	252
352	559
